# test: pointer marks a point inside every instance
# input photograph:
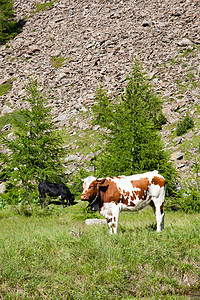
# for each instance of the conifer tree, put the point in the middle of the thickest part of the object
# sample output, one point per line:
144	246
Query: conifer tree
36	150
133	144
9	27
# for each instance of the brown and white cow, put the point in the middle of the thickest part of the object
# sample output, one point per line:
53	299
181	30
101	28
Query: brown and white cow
111	195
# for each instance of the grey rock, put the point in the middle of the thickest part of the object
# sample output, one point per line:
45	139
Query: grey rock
178	140
146	23
95	221
6	127
11	136
6	109
185	42
2	187
177	155
71	158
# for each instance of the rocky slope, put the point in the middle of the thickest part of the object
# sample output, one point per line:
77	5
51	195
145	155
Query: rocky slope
97	41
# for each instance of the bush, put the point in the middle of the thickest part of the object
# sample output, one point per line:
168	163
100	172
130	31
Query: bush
184	125
189	200
12	195
186	200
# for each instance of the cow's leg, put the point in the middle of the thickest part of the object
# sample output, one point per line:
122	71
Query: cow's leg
42	202
159	217
42	199
159	213
63	200
67	202
112	221
157	201
111	225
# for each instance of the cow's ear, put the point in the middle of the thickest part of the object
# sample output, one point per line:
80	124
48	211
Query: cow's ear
102	188
102	184
100	181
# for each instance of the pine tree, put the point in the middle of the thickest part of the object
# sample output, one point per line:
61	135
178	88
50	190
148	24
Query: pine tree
9	27
36	151
134	119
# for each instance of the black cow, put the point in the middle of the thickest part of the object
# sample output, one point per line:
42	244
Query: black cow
55	190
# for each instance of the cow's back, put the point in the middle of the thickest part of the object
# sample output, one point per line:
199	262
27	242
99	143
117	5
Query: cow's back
50	188
135	191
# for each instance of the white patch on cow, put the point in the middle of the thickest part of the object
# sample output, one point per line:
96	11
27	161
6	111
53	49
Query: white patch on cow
87	181
108	209
154	190
111	212
139	204
158	199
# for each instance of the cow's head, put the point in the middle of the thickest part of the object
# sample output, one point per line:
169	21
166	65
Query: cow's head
92	193
86	182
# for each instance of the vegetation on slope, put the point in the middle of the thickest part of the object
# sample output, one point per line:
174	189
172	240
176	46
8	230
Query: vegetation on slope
9	28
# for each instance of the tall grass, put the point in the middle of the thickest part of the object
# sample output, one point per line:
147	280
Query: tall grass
57	256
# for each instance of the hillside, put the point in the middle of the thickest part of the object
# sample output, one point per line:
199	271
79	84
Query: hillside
73	46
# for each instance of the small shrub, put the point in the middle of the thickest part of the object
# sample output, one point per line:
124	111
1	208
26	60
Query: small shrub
184	125
186	200
190	200
12	195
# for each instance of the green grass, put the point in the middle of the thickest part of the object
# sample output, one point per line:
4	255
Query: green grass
57	62
44	6
87	140
56	256
4	88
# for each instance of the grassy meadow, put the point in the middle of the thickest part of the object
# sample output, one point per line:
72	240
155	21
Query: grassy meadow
52	254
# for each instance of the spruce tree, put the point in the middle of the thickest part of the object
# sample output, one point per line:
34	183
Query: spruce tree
9	27
36	151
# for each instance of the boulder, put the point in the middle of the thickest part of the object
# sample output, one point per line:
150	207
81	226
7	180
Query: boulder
95	221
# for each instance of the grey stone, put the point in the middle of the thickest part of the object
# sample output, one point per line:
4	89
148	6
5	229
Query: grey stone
2	187
6	127
177	155
95	221
178	140
185	42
